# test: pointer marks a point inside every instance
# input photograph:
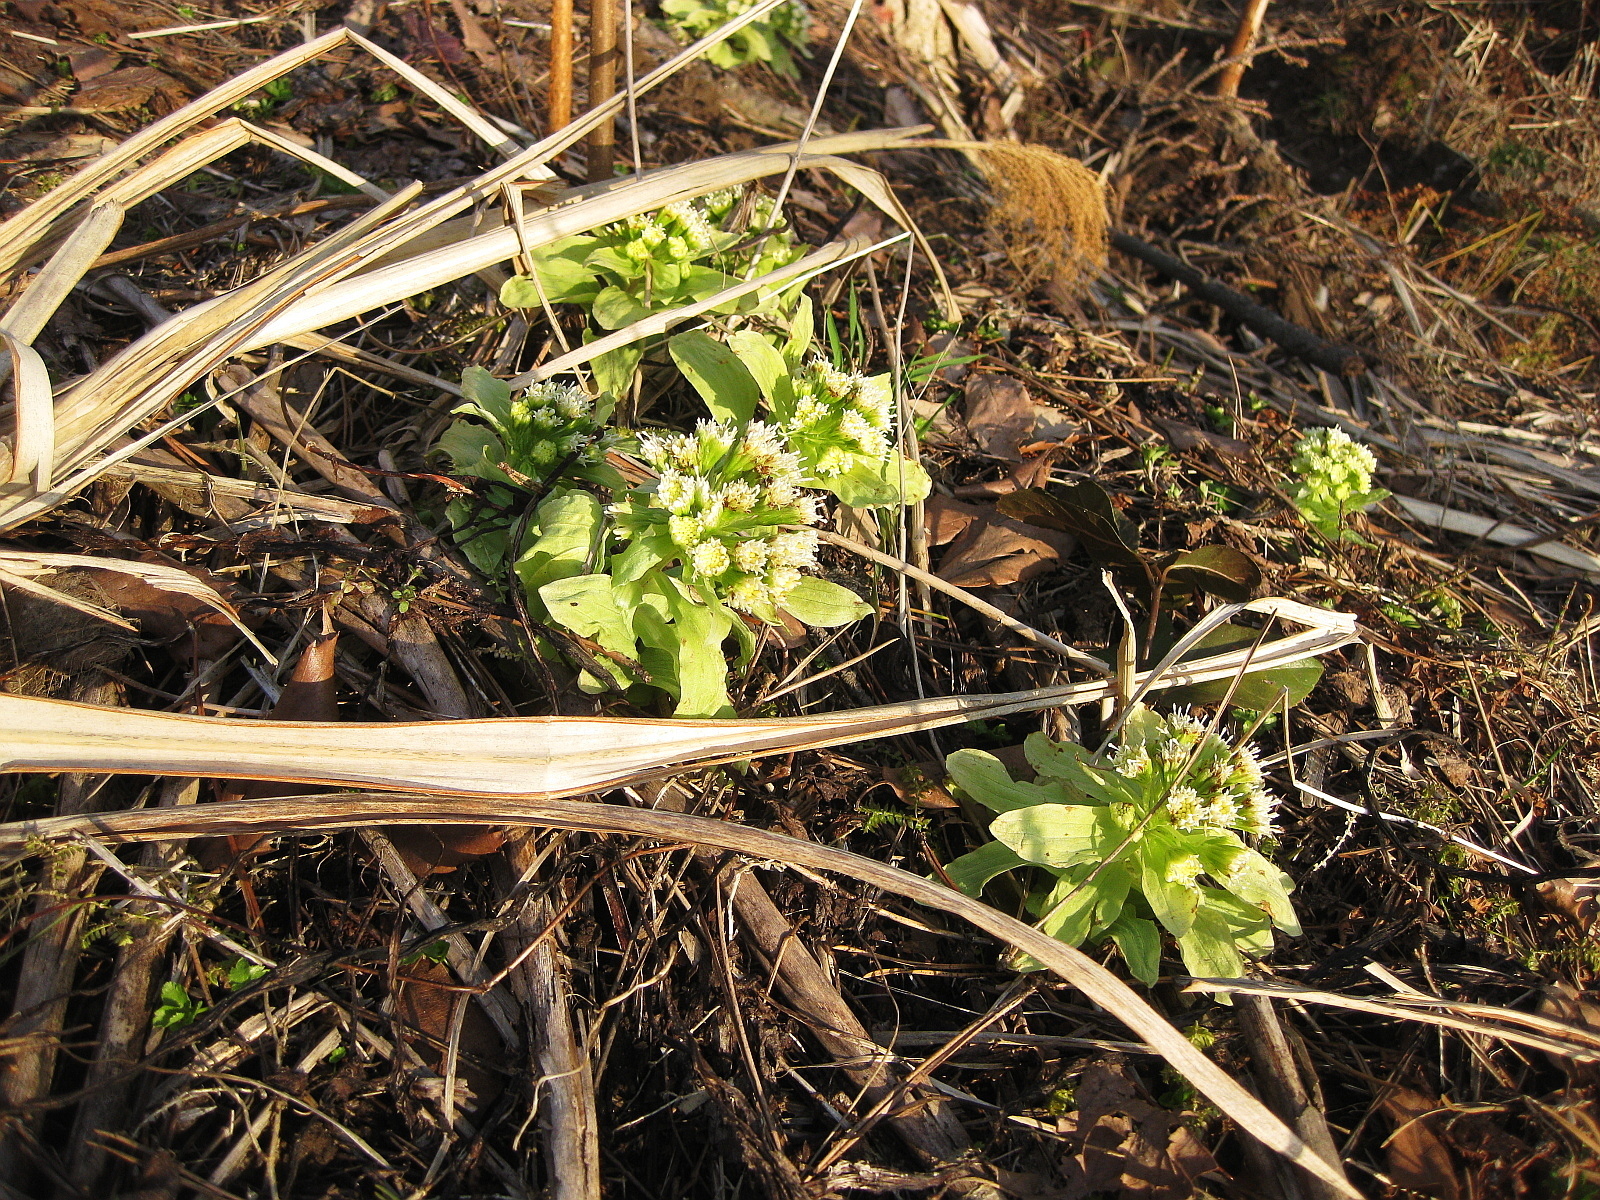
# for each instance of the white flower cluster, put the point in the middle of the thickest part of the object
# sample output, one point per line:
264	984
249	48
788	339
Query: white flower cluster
1335	472
681	231
720	497
548	425
1209	785
838	420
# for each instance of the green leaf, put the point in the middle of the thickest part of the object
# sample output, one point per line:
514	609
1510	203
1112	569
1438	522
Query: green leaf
486	549
972	872
985	778
763	362
613	308
702	668
885	483
1067	763
1058	835
724	383
824	605
569	527
1216	570
1254	880
241	971
565	279
587	605
491	395
1208	948
802	330
1260	690
474	450
613	370
1069	908
642	554
1114	883
1174	904
1139	942
1085	510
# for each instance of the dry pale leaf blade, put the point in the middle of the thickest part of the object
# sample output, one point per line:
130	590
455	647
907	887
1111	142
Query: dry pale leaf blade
529	756
1470	525
311	158
26	319
345	811
456	260
34	450
20	235
157	575
88	608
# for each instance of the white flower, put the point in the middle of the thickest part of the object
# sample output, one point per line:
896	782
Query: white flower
675	492
1184	870
709	558
741	495
750	554
1186	809
686	531
792	548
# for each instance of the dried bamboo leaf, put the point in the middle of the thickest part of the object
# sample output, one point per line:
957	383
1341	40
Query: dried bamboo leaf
616	202
1553	1037
345	811
157	575
26	319
527	756
22	235
1501	533
33	450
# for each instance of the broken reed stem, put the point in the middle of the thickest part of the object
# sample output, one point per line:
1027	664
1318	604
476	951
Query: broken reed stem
1071	653
558	95
1244	37
602	86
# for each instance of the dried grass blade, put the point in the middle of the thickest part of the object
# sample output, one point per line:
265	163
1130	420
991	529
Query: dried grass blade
312	813
26	319
34	449
1553	1037
311	158
157	575
456	260
521	756
1501	533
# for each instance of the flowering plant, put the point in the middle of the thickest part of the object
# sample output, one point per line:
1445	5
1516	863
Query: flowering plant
1145	837
767	40
1335	481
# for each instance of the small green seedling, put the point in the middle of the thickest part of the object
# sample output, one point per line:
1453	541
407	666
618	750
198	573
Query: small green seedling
1146	837
1335	481
177	1008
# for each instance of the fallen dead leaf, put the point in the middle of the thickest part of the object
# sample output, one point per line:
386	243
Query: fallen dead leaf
1419	1156
425	1001
1565	1003
1000	414
1126	1145
1576	899
1182	437
996	551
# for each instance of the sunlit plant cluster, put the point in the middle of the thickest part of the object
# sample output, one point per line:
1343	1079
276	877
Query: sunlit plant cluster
651	547
1335	481
768	39
1144	837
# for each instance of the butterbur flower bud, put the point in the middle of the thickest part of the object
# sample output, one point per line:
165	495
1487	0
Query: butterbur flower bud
722	497
549	425
1185	870
1202	784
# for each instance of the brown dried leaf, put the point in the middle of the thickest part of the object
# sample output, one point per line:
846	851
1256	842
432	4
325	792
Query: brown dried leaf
1576	899
1419	1157
1128	1145
1188	437
995	551
124	89
1000	414
425	1001
947	518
